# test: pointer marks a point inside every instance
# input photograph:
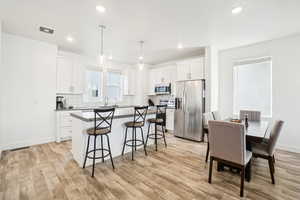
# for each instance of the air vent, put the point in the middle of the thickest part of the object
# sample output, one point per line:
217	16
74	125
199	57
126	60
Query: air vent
46	30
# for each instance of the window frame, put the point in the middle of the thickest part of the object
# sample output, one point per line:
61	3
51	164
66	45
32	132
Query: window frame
121	86
240	63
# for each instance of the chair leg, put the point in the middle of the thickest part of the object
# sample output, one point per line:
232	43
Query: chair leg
87	150
147	134
108	144
242	181
142	133
271	167
94	158
124	141
132	144
163	131
210	169
207	152
155	137
102	148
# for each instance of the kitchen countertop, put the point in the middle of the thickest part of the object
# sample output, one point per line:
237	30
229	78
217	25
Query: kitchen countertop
92	108
119	113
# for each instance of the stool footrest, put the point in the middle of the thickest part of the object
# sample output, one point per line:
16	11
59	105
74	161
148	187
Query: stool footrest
129	143
99	157
158	136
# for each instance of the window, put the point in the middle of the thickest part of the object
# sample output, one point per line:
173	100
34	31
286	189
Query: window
100	85
93	88
253	86
114	86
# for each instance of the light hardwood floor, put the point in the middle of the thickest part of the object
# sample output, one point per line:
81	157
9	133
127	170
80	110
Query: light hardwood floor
177	172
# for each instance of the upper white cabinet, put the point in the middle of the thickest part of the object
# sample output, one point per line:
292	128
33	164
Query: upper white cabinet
190	69
69	74
129	81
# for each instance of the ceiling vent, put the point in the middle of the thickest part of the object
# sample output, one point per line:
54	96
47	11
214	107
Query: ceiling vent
46	30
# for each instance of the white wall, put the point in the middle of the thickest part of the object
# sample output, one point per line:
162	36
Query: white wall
28	91
285	53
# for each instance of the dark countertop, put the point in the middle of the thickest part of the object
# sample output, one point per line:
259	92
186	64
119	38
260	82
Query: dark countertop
88	116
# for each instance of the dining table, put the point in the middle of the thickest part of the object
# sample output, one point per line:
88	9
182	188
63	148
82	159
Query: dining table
256	132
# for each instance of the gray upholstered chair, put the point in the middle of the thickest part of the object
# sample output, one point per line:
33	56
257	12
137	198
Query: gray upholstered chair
266	149
252	115
207	117
216	115
227	142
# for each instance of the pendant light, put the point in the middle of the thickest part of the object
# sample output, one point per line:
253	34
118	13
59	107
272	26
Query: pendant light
101	56
141	57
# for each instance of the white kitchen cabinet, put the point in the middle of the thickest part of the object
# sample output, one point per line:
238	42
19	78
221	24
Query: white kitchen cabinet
161	75
170	119
190	69
64	125
69	75
129	77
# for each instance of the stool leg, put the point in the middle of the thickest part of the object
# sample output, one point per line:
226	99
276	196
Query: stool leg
134	139
155	137
102	148
163	130
142	133
124	141
132	145
207	152
108	144
94	158
87	150
147	134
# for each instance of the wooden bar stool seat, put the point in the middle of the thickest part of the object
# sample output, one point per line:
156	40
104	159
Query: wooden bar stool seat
134	124
99	131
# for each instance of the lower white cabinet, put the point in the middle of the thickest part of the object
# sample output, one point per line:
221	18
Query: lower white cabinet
170	119
64	125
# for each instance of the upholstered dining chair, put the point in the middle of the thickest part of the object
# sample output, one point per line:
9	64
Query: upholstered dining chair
227	142
266	148
206	117
253	115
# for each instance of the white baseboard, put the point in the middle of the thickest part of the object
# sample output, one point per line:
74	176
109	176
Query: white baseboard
26	143
288	148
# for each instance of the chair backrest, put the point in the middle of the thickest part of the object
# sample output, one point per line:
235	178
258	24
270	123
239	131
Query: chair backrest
140	113
161	112
274	135
206	117
253	115
216	115
105	116
227	141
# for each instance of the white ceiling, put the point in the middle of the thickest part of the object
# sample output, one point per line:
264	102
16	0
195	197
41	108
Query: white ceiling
161	23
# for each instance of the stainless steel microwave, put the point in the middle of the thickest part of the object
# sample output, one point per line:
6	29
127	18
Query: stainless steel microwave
163	89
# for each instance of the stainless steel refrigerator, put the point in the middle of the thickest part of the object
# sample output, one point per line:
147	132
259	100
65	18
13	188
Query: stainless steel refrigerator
189	107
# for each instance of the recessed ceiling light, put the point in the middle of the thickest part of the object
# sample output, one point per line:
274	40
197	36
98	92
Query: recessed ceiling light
141	58
69	38
236	10
110	57
179	46
100	9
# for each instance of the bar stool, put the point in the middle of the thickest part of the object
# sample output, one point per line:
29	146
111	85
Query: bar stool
102	128
159	120
139	118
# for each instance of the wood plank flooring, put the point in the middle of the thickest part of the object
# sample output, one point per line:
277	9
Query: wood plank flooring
177	172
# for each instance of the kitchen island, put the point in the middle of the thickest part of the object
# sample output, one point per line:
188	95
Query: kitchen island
85	119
